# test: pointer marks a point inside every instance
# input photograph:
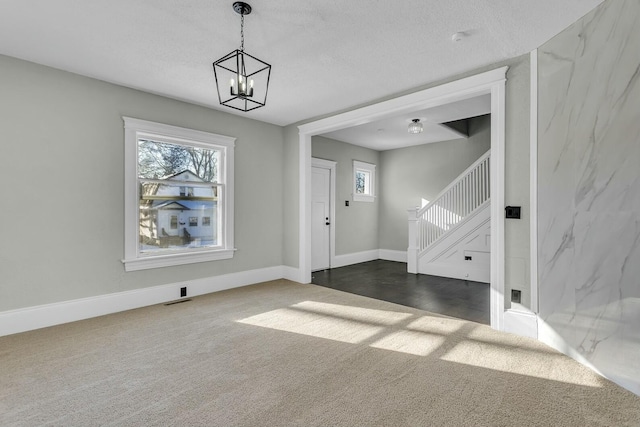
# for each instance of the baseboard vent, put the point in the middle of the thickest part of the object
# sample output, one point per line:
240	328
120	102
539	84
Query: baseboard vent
178	302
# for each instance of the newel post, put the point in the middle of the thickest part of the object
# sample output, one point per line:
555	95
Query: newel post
412	250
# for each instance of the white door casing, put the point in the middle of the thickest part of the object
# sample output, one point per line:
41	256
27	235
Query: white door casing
330	165
320	218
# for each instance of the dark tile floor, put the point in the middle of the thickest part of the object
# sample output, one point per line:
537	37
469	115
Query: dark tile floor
389	281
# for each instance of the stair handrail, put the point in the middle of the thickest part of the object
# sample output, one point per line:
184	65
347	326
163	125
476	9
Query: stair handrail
474	165
465	194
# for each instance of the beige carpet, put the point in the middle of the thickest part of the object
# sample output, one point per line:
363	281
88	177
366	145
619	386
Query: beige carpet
281	353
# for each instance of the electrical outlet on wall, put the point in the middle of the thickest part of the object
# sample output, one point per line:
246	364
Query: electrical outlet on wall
516	295
183	292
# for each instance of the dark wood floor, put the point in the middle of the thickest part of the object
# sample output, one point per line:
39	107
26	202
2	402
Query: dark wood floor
389	281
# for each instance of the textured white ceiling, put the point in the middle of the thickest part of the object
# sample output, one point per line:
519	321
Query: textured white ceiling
327	55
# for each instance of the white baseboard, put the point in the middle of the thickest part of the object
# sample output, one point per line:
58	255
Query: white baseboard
391	255
364	256
457	271
292	273
29	318
354	258
521	323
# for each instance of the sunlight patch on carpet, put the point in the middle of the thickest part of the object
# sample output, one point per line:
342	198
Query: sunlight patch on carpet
355	325
518	361
410	342
316	325
366	315
436	325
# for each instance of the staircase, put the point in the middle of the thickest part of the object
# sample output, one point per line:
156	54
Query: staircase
450	236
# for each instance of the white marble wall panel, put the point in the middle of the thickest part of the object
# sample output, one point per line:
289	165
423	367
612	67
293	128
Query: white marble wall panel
589	188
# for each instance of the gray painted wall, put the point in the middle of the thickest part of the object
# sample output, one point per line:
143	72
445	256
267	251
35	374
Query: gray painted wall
61	162
49	112
422	171
357	224
589	190
291	196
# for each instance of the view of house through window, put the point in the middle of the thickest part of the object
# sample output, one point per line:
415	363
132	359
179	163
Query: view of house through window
178	190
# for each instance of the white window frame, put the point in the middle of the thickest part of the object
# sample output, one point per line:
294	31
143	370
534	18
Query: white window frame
370	169
134	129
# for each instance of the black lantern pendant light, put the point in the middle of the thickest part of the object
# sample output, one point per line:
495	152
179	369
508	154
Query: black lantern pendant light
242	80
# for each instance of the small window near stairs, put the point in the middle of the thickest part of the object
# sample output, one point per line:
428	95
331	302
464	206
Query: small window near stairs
364	178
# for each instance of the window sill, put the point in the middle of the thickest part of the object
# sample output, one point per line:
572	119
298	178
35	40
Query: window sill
363	198
158	261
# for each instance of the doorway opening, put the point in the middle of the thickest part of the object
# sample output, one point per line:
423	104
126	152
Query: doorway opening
491	82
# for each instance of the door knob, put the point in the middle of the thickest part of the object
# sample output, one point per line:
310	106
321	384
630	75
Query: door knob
327	223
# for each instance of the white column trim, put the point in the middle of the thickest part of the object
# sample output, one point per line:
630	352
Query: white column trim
413	248
533	181
490	82
304	217
497	162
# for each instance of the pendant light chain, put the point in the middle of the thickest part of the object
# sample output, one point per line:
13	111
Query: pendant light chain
242	32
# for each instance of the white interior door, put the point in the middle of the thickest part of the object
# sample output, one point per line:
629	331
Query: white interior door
320	218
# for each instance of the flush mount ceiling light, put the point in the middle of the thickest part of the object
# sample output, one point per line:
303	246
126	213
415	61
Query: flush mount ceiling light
415	126
242	80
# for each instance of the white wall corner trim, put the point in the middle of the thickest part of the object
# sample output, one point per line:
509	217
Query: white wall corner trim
30	318
521	323
291	273
391	255
533	180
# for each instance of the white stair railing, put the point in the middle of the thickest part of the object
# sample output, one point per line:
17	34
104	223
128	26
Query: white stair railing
465	194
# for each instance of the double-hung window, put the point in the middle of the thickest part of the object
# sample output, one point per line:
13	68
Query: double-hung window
175	180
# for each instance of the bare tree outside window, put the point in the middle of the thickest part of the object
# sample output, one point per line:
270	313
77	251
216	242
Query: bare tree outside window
157	160
360	182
